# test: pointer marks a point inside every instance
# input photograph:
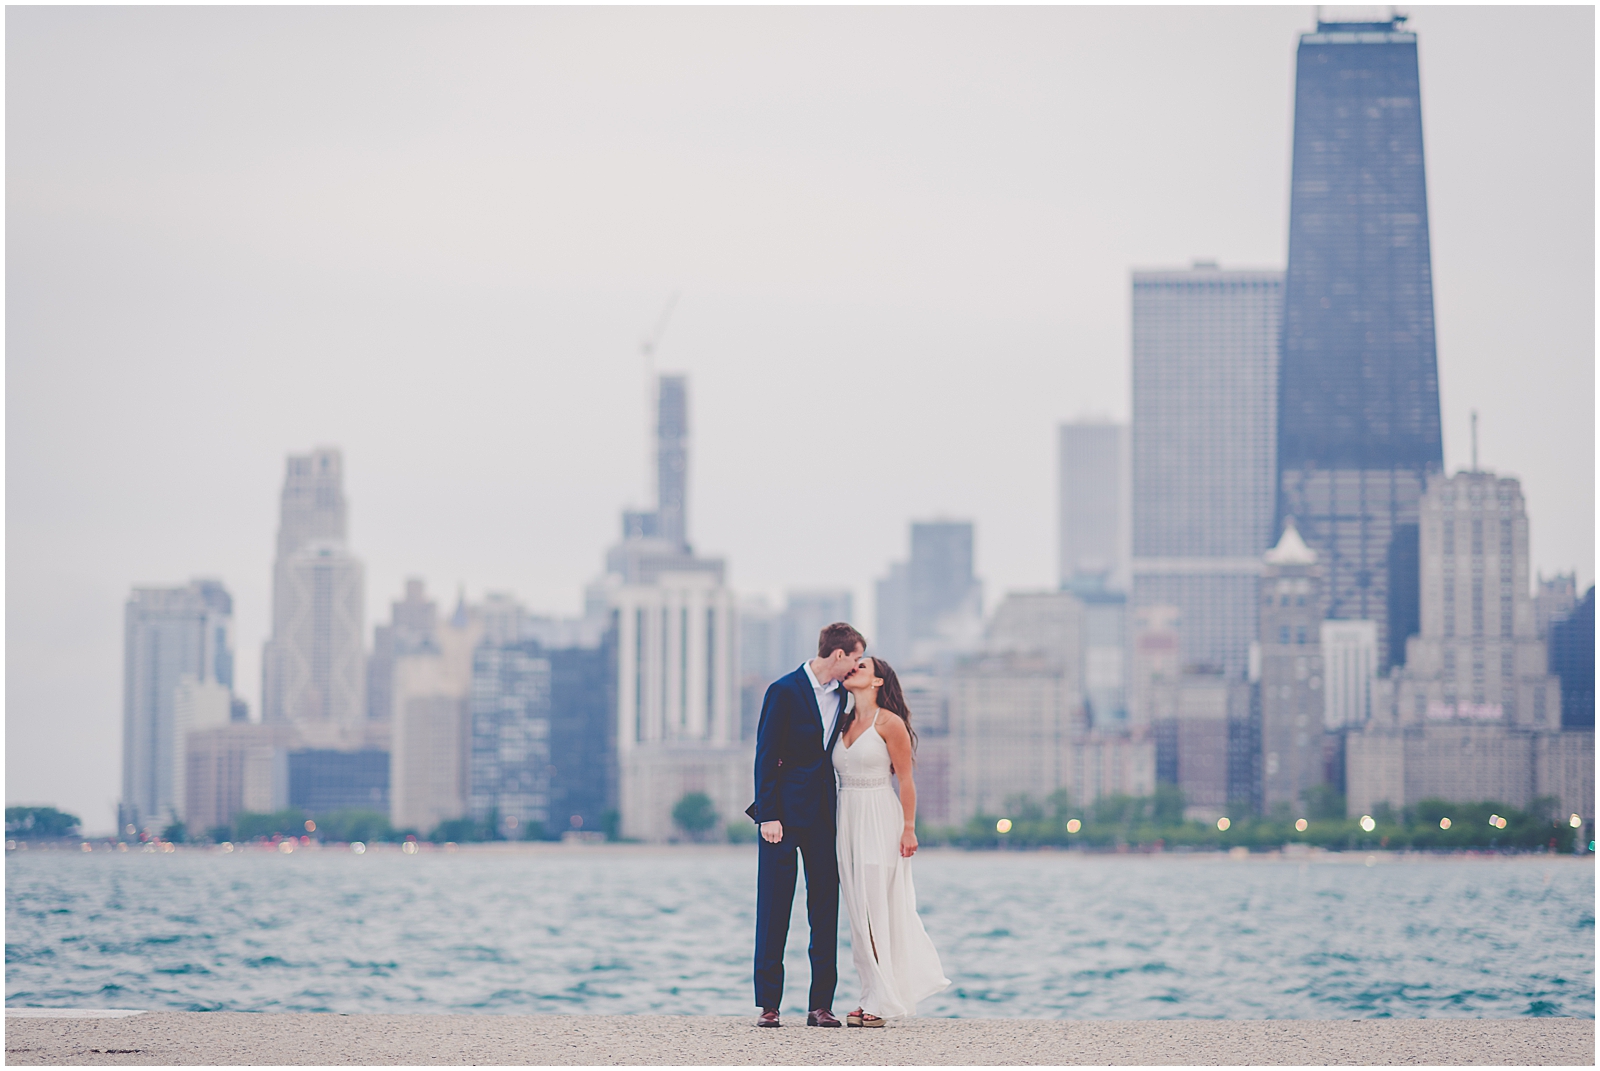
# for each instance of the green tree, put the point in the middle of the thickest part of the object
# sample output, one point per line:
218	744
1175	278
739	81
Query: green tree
177	833
695	814
253	825
1323	803
30	823
1167	805
459	830
346	826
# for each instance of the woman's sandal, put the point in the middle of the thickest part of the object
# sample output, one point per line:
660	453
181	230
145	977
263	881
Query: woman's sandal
861	1018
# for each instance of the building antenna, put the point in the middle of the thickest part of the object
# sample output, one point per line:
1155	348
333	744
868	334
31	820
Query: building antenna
647	352
1474	440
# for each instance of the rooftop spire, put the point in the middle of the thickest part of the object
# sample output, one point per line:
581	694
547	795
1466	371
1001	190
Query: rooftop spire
1291	549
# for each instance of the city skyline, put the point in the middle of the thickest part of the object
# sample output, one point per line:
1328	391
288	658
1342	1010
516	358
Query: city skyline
461	481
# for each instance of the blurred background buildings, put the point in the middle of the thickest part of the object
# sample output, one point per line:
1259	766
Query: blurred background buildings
1271	595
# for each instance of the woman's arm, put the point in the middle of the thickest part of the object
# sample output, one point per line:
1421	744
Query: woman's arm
899	741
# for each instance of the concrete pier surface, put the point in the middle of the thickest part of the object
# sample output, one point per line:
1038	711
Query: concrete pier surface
252	1038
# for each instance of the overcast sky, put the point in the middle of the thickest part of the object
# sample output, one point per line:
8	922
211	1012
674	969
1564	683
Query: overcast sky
902	236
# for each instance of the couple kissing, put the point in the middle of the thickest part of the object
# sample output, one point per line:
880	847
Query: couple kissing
831	734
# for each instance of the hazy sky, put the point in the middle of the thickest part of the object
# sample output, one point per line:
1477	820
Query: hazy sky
436	237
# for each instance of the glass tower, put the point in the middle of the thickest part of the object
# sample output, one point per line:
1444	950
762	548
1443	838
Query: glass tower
1358	409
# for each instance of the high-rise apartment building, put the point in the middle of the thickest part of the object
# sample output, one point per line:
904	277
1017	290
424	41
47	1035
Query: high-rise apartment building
1204	442
1092	504
1553	599
583	735
1572	660
931	602
428	758
169	634
1358	409
1476	713
509	762
1291	613
413	622
314	666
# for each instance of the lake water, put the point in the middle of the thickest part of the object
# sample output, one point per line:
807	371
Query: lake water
624	929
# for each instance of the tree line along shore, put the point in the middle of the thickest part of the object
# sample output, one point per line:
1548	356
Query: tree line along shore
1114	823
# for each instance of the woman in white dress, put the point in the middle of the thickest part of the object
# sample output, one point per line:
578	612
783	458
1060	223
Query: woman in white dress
877	836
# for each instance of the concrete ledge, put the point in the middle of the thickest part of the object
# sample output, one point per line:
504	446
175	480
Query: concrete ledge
245	1038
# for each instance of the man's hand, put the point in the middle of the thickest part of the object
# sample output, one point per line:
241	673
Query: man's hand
772	832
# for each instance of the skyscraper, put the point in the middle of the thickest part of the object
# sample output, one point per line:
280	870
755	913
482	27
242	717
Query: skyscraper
931	601
657	541
1092	466
170	635
1572	660
1358	409
672	460
319	656
1475	713
509	760
314	666
676	695
1292	599
412	623
1205	355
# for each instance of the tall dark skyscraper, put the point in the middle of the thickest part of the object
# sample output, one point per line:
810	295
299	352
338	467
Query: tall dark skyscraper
932	594
1358	412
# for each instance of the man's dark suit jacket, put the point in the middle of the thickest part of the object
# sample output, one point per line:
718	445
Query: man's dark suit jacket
794	765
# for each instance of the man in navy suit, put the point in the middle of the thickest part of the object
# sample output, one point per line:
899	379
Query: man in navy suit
794	806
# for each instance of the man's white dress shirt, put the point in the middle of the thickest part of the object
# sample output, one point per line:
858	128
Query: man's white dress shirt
827	702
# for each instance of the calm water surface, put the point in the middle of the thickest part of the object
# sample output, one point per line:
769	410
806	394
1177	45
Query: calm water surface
610	930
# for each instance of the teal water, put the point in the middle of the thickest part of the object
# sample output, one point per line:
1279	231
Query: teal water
613	930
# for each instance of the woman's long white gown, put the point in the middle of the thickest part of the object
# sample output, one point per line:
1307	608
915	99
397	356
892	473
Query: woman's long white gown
893	955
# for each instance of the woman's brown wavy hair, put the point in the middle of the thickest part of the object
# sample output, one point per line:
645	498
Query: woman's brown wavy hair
890	698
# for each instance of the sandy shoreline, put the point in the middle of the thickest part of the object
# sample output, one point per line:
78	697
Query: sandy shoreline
244	1038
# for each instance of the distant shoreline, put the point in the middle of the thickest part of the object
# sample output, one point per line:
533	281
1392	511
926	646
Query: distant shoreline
1293	853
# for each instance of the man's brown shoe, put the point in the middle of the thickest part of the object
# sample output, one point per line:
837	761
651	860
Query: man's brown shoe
769	1017
822	1017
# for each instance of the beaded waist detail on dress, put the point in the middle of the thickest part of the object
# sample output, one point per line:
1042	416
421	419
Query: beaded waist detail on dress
863	782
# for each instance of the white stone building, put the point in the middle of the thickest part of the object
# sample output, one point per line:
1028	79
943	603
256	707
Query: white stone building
1475	713
168	634
1349	671
678	701
313	667
429	748
1017	724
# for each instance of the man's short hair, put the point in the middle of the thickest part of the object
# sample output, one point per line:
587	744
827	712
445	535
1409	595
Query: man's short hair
839	637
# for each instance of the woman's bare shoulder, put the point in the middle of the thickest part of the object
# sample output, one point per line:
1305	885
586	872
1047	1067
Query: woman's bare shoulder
891	725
